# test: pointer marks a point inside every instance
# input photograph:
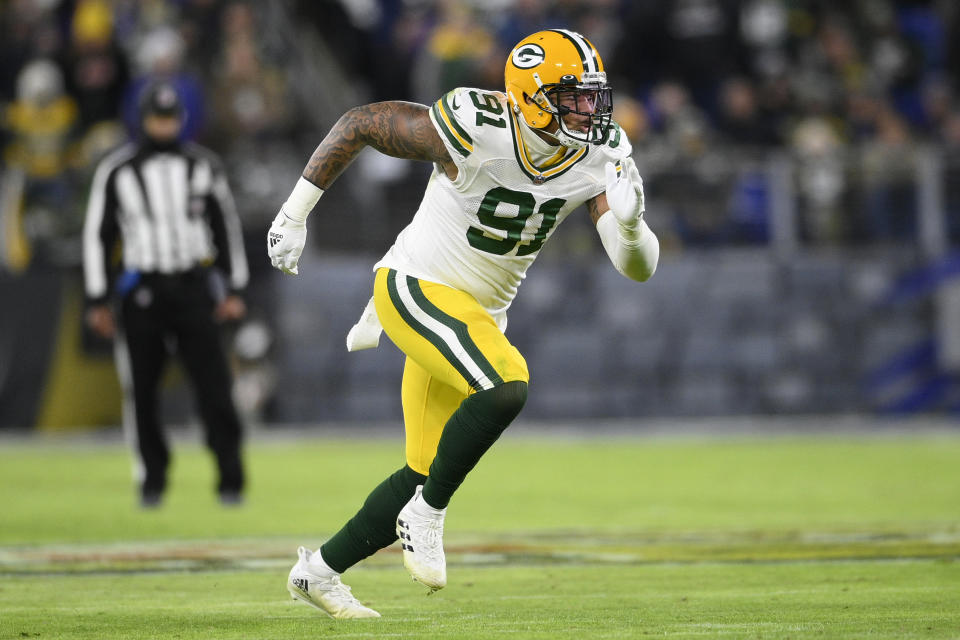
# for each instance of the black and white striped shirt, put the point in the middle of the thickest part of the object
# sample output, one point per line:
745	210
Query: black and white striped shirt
172	211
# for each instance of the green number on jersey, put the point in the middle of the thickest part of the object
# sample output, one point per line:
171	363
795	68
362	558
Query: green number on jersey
614	130
549	209
526	206
490	104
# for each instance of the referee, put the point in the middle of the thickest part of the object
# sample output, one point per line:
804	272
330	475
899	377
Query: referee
169	207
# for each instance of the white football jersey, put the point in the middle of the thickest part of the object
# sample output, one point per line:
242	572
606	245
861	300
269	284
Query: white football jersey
480	232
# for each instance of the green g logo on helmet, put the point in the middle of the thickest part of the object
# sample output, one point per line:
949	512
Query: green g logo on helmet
528	56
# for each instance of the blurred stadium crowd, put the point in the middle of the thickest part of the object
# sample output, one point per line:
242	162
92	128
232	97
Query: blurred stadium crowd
827	132
708	90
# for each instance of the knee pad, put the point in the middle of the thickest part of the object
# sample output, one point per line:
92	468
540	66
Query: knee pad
497	407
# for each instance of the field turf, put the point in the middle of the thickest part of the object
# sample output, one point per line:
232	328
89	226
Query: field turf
845	536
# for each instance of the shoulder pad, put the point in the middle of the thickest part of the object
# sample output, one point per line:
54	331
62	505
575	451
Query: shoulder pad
449	117
464	115
617	145
617	141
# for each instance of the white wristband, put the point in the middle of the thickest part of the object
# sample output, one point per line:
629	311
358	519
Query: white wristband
302	200
633	252
631	234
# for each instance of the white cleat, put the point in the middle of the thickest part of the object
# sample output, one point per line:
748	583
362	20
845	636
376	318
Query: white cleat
321	588
420	528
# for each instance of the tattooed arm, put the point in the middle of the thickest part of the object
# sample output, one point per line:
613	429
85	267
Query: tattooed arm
597	206
398	129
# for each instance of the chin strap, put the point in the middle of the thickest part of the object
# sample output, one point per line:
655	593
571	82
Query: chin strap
567	140
557	140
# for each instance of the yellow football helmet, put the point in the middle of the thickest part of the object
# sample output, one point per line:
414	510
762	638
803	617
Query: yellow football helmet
549	65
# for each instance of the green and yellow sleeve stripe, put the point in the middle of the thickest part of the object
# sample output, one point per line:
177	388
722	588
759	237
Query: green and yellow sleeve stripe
455	134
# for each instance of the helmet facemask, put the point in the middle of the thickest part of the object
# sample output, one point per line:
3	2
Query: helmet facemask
570	95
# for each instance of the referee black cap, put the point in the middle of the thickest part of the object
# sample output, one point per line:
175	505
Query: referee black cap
161	99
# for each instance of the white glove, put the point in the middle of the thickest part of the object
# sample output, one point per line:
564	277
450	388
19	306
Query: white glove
625	192
285	242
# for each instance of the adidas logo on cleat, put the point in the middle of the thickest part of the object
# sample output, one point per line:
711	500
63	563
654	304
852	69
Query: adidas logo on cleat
320	587
420	529
301	583
404	537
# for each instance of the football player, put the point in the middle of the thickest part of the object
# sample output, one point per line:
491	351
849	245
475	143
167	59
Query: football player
508	169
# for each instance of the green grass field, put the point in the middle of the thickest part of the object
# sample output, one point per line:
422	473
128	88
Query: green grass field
743	537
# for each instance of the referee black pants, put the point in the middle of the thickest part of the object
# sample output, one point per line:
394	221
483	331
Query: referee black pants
160	312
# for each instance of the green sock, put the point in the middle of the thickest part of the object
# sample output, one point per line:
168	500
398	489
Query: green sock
468	434
375	525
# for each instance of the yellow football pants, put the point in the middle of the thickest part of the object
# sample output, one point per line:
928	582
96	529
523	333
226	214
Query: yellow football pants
453	348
